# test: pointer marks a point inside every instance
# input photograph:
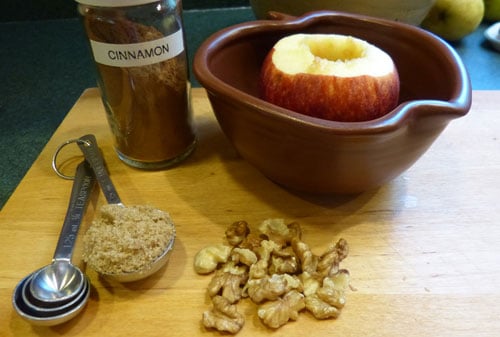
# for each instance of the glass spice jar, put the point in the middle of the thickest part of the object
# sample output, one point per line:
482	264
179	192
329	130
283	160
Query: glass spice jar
142	74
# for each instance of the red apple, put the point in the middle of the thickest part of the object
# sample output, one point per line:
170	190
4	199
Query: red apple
330	76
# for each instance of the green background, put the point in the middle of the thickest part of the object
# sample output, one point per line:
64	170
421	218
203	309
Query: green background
15	10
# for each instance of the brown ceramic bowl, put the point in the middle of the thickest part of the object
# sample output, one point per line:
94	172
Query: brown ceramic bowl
320	156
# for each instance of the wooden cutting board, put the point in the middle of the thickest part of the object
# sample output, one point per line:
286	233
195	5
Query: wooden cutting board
425	248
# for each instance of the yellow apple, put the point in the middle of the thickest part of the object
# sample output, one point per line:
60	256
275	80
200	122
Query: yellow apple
492	10
330	76
454	19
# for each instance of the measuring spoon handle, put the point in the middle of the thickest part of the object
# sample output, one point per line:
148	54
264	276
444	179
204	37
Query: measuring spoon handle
94	157
80	196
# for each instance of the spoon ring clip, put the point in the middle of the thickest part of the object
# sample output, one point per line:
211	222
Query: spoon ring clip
58	150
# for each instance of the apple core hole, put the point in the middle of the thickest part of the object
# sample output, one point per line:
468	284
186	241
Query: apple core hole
344	49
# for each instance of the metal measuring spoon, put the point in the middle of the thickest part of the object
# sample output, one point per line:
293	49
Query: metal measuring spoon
90	149
61	280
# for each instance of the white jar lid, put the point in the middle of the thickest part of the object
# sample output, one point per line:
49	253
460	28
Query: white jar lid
115	3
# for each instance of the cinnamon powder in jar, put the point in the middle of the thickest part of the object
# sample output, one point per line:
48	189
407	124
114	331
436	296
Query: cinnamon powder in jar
147	106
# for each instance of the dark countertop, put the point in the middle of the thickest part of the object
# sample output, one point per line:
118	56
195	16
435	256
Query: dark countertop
46	65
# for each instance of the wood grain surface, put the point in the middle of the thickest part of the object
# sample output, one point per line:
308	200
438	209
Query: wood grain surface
425	248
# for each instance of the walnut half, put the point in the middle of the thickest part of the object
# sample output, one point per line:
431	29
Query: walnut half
208	258
271	287
277	313
224	316
329	299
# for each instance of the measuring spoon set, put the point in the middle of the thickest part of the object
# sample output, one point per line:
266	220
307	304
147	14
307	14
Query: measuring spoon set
59	291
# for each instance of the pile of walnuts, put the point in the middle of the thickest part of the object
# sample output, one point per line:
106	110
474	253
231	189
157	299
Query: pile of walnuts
276	270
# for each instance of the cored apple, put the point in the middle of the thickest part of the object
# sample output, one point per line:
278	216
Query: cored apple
330	76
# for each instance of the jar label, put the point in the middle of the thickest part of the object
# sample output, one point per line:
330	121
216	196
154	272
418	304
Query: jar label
138	54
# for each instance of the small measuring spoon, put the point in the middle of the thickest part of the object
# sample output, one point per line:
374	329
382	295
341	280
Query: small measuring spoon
42	308
61	280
